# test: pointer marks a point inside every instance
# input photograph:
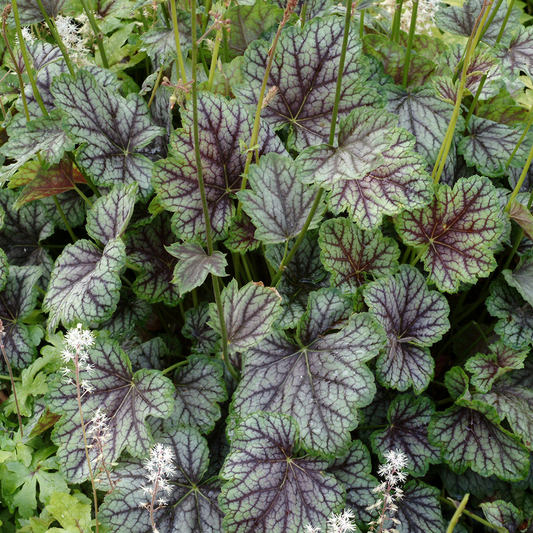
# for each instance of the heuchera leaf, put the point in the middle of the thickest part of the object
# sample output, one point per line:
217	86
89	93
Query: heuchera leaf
304	70
414	318
401	182
515	324
487	368
192	502
352	255
223	124
17	301
249	313
85	283
108	218
521	278
278	203
267	488
199	388
129	313
319	381
489	145
456	233
241	235
408	431
126	398
353	471
195	265
503	514
30	12
196	329
522	216
114	130
518	55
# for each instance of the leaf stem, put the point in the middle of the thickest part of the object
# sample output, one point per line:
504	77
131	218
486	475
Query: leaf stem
214	59
520	181
412	28
362	24
396	21
457	514
96	31
180	62
8	378
156	86
64	218
173	367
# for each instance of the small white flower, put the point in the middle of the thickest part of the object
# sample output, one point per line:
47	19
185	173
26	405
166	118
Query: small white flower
337	523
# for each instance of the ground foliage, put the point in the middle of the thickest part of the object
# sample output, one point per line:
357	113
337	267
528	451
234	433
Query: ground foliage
344	298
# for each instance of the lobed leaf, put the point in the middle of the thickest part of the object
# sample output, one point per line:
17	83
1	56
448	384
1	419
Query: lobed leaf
518	55
521	278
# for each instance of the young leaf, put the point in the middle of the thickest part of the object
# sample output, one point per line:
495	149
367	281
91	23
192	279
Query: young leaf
17	301
304	70
195	265
408	431
518	55
127	400
113	130
351	254
72	512
456	233
192	505
521	278
85	283
414	318
223	124
487	368
278	203
515	324
401	182
270	490
249	313
109	216
319	381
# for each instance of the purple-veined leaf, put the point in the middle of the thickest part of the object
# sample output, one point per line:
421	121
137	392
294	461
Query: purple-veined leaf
414	318
521	278
401	182
353	470
241	236
278	203
30	12
503	108
407	431
195	265
304	70
523	217
73	207
196	329
249	313
515	324
457	485
223	124
487	368
113	130
192	502
469	435
145	246
456	233
149	354
351	254
462	20
267	488
518	55
17	301
424	115
85	283
4	265
126	398
319	381
130	312
505	515
108	218
199	388
489	145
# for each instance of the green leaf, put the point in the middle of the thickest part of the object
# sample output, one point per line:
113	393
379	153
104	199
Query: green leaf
489	145
17	302
113	130
146	248
195	265
504	515
108	218
127	399
414	318
522	216
353	470
487	368
73	512
270	490
241	236
149	354
223	124
197	330
518	55
278	203
515	324
521	278
130	312
456	233
352	255
408	431
249	313
192	505
320	380
30	12
85	283
304	70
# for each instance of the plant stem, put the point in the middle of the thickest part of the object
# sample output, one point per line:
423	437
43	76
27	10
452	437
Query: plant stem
471	515
64	218
520	181
156	86
180	62
457	514
529	121
173	367
412	28
214	59
96	31
396	21
362	24
303	13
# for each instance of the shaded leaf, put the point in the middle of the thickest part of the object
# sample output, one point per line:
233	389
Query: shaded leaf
241	236
30	12
504	514
267	488
518	55
521	278
196	329
85	283
522	216
129	313
456	233
149	354
414	318
352	255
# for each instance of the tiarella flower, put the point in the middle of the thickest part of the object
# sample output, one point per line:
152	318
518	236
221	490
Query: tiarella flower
27	35
337	523
71	35
425	19
77	340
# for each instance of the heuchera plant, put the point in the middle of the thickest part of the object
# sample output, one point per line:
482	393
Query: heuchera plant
266	267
